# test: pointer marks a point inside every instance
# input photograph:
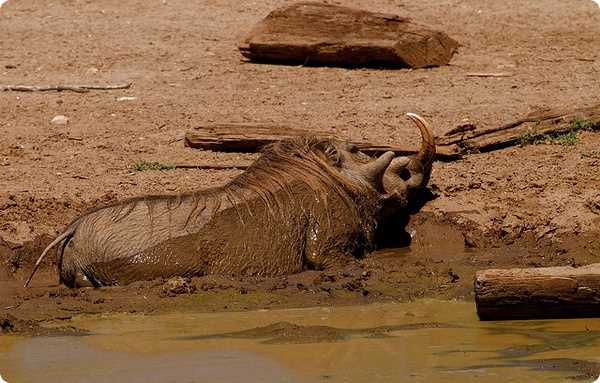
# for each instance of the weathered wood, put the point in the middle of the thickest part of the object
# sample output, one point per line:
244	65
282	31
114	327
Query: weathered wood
250	138
534	125
325	34
60	88
549	292
242	137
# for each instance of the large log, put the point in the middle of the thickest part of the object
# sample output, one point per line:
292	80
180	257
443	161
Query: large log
325	34
548	292
251	137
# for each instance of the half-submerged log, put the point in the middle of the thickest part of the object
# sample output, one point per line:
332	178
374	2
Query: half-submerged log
548	292
250	138
312	33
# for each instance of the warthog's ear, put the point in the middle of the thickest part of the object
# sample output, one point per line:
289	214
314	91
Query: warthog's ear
330	152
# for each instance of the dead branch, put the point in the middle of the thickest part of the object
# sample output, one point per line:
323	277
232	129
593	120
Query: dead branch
59	88
543	123
494	74
213	167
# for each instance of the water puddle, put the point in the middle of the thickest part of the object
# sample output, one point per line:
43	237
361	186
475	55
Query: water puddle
424	341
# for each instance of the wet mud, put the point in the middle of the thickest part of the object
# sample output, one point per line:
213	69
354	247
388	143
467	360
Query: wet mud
285	332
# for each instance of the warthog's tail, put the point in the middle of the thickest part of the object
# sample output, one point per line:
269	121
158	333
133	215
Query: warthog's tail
68	233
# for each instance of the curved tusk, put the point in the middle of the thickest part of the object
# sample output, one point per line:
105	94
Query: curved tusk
426	153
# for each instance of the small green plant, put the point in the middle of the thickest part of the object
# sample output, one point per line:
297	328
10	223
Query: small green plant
568	138
582	124
144	165
532	138
565	139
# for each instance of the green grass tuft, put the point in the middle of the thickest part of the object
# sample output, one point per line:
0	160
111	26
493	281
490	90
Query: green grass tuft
582	124
565	139
530	138
568	138
144	165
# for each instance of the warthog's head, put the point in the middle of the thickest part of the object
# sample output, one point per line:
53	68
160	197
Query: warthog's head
396	178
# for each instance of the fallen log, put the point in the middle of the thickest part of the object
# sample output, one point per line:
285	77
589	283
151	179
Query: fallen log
549	292
325	34
242	137
532	127
251	137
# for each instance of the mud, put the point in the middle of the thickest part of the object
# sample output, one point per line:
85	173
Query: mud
11	325
285	332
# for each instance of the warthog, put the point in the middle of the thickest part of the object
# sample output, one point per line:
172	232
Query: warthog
306	203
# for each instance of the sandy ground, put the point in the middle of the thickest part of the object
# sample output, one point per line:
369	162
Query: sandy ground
522	206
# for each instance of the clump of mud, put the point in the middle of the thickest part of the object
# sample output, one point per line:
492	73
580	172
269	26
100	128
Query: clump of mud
177	286
285	332
9	324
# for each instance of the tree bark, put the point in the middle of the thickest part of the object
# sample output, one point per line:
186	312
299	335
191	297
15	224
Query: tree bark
549	292
313	33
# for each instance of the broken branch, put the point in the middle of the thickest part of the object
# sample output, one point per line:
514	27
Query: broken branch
213	167
544	123
494	74
59	88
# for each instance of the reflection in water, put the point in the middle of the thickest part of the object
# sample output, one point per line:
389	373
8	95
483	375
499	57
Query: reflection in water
426	341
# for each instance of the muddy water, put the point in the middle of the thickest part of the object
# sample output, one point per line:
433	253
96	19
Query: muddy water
424	341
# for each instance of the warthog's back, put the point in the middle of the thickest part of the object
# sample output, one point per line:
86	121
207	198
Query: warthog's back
206	234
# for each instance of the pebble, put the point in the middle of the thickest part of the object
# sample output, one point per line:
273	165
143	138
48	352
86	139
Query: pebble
59	120
126	98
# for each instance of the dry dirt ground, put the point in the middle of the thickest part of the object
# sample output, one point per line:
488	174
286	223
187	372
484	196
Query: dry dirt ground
523	206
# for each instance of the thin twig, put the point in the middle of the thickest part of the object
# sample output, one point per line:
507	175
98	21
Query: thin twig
214	167
13	306
59	88
497	74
